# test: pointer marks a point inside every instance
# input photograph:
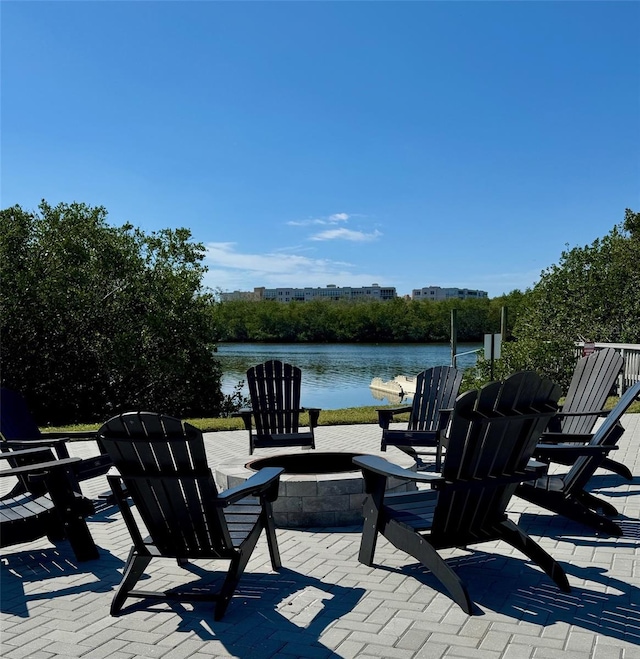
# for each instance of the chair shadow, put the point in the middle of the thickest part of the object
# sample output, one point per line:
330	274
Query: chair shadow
105	512
614	485
295	607
513	587
557	527
59	561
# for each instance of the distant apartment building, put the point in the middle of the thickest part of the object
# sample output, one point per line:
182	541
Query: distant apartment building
252	296
436	293
331	292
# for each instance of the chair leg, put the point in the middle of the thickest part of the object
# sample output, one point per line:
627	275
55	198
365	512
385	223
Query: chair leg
439	457
236	568
73	525
575	510
517	538
617	468
595	503
369	533
570	507
270	532
415	545
56	535
133	570
82	544
80	539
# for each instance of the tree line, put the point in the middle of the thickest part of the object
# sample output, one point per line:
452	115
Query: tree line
96	318
394	321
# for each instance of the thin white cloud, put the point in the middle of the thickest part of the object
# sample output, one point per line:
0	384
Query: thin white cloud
224	254
331	219
305	223
233	270
347	234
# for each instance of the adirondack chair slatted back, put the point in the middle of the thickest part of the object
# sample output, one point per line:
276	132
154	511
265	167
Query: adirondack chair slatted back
607	434
163	464
274	388
436	389
492	435
18	428
591	383
16	421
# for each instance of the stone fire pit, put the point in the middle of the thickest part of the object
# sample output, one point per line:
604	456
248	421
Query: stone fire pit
317	488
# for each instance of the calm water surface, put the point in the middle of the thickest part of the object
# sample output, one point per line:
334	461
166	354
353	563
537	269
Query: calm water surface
338	375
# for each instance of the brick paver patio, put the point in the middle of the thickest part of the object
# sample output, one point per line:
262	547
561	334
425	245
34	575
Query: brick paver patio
326	604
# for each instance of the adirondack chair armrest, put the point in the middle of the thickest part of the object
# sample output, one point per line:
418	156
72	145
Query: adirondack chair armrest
44	452
261	482
414	438
69	435
470	486
567	453
39	467
59	444
551	438
537	468
386	414
383	467
314	413
589	413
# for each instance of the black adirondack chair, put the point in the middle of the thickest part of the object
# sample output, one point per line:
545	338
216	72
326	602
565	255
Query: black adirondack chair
48	506
566	494
163	468
492	435
436	391
592	381
274	389
18	430
591	384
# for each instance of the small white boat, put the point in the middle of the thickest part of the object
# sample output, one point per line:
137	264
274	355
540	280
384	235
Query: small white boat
401	386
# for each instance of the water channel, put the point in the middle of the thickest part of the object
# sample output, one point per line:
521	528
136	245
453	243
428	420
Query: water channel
338	375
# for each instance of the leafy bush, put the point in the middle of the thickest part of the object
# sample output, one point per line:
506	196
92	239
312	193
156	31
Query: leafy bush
593	293
96	319
234	401
553	359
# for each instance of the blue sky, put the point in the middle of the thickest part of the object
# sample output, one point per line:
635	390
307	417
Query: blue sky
408	144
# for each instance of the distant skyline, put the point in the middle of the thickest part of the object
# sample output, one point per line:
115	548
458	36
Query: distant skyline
410	144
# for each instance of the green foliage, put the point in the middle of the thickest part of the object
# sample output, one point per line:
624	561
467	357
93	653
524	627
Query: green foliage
323	321
553	359
593	293
96	319
234	401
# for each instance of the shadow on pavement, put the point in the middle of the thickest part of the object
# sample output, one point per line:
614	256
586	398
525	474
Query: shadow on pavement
268	612
514	587
19	568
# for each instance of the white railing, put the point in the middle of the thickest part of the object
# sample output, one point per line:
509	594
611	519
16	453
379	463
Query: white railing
630	352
